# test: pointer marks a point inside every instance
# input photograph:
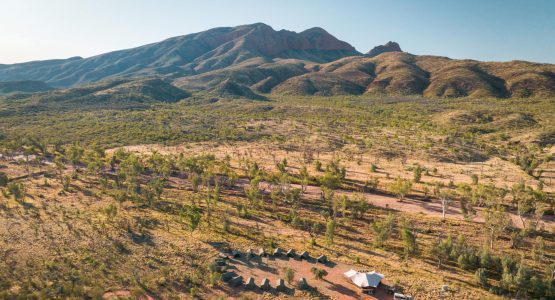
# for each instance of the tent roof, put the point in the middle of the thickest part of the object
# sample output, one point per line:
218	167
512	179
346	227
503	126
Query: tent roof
363	280
350	273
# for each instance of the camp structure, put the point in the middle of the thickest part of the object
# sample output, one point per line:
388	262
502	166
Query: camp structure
280	285
291	253
220	262
278	252
265	284
262	252
303	285
322	259
399	296
304	255
236	254
249	284
236	281
365	281
227	276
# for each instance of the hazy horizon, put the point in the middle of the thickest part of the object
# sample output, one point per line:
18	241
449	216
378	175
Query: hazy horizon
494	31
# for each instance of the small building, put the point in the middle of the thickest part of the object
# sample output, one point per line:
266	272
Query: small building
236	281
227	276
291	253
322	259
220	262
249	284
366	281
399	296
236	254
304	255
265	284
262	252
249	253
303	285
278	252
280	285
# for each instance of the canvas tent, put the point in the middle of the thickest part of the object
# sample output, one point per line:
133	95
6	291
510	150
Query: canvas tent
364	280
291	253
280	285
265	285
250	285
303	285
261	252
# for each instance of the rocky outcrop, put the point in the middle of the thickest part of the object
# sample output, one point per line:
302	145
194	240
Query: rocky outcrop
388	47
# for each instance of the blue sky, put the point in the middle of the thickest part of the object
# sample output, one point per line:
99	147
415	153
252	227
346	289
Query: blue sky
486	30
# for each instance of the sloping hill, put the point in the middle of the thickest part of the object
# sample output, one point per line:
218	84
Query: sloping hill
399	73
191	54
115	93
231	89
24	86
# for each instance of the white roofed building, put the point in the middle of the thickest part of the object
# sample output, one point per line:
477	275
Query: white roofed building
369	280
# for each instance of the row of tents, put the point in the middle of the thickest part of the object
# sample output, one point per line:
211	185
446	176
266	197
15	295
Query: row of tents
278	252
235	280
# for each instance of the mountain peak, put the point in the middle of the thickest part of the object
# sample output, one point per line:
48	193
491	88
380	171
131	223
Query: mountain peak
388	47
187	55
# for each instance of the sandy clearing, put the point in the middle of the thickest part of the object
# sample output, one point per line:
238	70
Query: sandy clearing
409	205
334	285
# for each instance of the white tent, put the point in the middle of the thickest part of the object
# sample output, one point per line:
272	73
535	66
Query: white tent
364	280
350	273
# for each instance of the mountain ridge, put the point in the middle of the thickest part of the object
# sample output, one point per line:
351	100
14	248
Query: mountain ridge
256	58
185	55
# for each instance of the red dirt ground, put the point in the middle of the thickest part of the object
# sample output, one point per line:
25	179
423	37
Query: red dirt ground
334	285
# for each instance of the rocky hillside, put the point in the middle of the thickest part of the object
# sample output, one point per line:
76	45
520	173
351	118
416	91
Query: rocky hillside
388	47
391	73
24	86
249	60
110	93
187	55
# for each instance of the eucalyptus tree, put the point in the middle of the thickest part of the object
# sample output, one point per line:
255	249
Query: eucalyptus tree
497	220
401	187
129	170
74	153
305	177
446	196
